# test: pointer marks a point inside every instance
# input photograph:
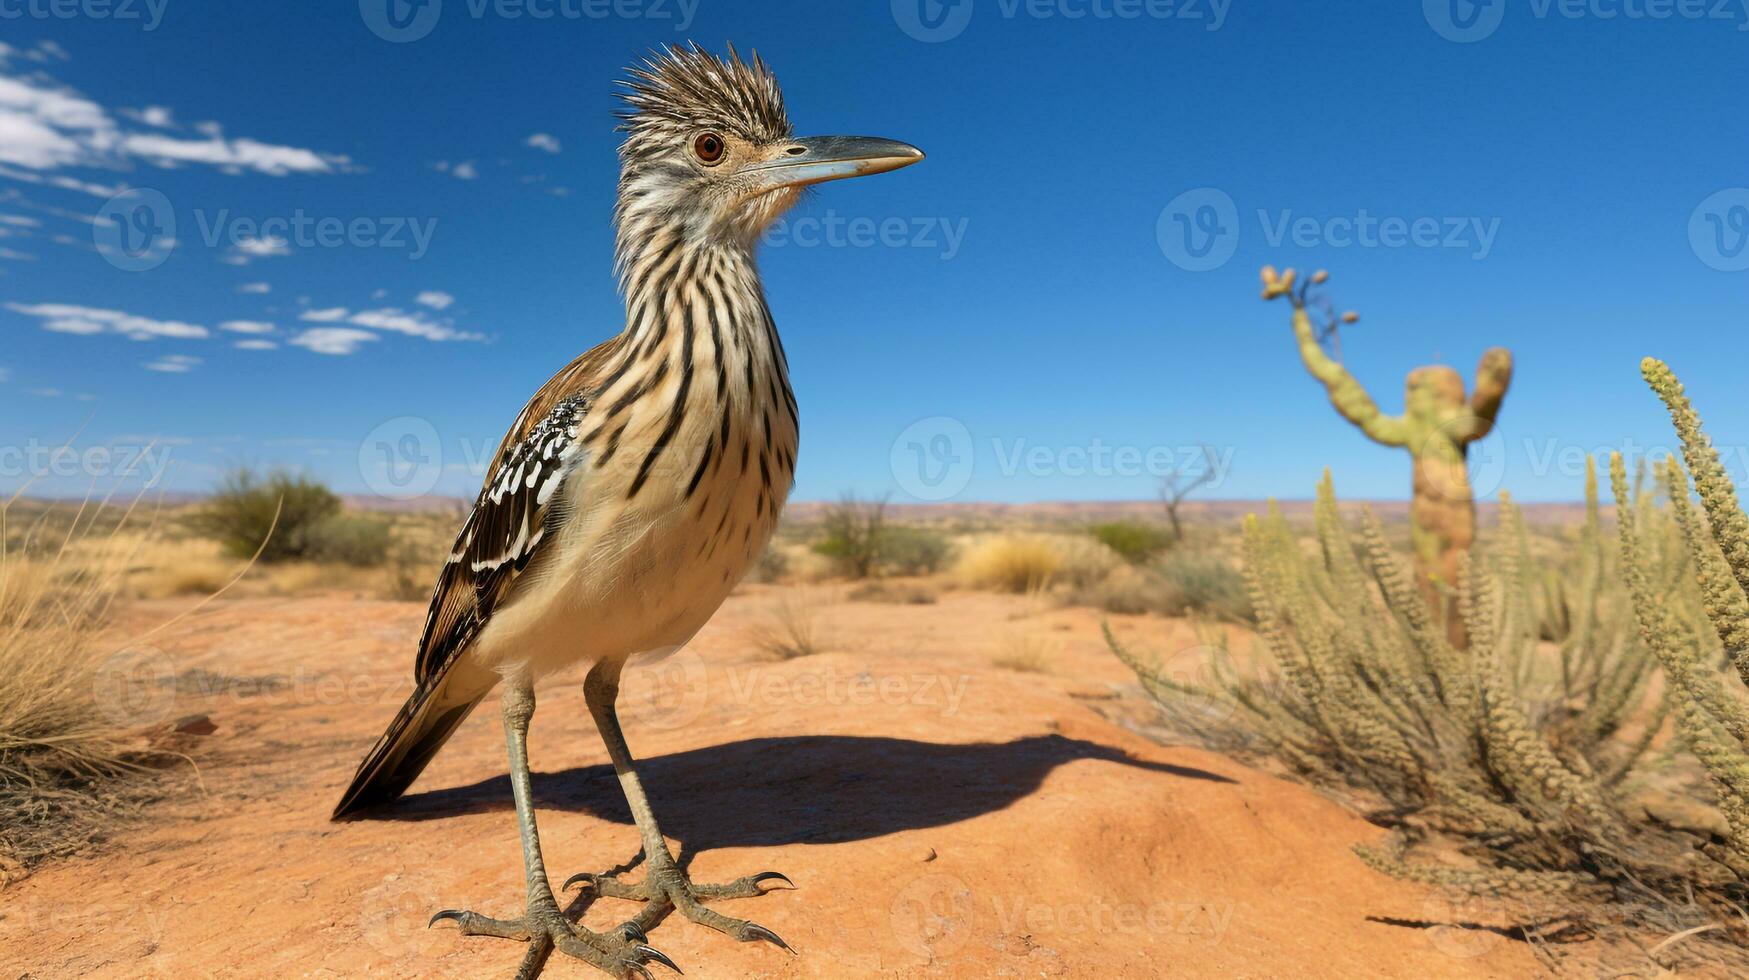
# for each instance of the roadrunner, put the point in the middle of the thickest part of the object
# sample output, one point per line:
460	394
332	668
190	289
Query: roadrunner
637	485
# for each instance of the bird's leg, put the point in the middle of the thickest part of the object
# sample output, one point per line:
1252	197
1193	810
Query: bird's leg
665	884
542	926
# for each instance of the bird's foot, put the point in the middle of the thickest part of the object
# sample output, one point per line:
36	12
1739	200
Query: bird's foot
666	886
623	954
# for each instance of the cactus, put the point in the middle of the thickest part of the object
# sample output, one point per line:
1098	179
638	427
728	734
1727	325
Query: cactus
1437	426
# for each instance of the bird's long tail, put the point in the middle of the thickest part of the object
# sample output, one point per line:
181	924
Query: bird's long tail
420	728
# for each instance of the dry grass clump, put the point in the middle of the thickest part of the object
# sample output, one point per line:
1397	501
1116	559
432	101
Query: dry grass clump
71	709
789	629
1010	563
1026	649
1022	563
893	593
1526	762
1197	581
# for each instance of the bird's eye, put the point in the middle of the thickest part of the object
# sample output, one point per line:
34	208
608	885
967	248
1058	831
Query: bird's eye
709	148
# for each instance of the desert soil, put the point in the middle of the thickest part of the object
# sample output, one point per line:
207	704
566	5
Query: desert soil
942	816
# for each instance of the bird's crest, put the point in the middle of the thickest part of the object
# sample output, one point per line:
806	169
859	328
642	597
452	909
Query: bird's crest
680	89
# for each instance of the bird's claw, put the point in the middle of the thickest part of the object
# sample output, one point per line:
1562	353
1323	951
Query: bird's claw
753	932
452	914
651	952
772	876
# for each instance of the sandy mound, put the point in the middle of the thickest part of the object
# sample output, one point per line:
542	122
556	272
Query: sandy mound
943	817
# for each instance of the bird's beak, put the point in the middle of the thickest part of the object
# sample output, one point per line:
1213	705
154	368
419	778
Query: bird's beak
817	159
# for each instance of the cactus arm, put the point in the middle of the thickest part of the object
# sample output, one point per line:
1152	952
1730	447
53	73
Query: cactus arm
1346	393
1493	376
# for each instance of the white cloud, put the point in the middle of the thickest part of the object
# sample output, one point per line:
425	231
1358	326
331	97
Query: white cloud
258	288
465	170
44	392
435	299
57	180
246	326
246	250
237	154
413	324
73	324
255	345
5	375
15	255
333	340
69	318
544	141
19	221
174	364
45	125
152	115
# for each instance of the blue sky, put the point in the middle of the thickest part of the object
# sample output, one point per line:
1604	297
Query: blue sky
1017	318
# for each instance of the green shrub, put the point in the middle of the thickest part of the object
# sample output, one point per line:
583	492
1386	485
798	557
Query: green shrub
904	550
242	514
348	539
862	544
1135	541
1204	583
852	530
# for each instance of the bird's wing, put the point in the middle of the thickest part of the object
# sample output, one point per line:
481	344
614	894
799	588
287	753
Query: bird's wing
519	509
514	516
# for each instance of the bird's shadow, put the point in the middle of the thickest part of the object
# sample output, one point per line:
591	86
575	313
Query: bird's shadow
766	792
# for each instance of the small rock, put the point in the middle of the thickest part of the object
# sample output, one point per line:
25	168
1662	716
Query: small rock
926	855
195	725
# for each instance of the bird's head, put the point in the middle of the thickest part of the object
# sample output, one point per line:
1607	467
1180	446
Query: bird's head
709	153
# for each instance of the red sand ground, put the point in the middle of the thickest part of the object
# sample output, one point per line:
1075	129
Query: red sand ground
942	816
